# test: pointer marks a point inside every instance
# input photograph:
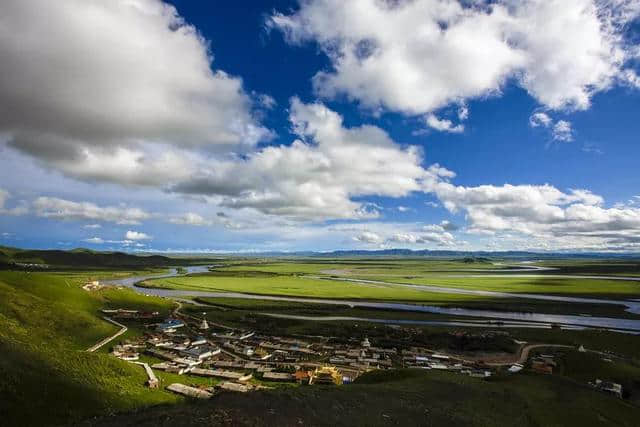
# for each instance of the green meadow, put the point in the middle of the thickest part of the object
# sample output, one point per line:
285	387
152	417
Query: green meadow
46	376
304	278
48	321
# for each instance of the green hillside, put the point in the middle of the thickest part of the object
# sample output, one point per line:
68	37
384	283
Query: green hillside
86	258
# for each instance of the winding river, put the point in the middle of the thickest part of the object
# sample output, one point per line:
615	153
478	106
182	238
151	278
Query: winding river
500	318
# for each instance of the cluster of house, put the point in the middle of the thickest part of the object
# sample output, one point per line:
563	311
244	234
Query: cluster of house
361	357
186	347
417	357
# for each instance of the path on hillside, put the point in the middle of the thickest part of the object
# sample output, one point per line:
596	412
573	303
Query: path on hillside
524	352
110	338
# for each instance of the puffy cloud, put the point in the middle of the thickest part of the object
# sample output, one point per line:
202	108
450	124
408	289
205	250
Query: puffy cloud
20	209
95	240
441	238
418	56
319	174
574	219
540	119
463	112
631	78
385	234
368	237
4	195
267	101
448	226
443	125
190	218
100	90
52	207
589	147
561	130
136	235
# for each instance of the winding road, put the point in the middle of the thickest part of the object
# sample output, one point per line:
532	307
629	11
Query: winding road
100	343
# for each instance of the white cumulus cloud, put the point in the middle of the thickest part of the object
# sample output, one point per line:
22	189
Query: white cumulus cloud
102	89
319	174
136	235
443	125
561	130
418	56
56	208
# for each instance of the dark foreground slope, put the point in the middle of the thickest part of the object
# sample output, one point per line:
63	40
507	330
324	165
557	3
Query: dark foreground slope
405	397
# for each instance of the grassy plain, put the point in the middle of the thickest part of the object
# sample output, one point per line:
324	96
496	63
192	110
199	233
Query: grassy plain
301	278
47	321
289	285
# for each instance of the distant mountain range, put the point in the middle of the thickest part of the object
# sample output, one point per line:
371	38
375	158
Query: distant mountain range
455	254
89	258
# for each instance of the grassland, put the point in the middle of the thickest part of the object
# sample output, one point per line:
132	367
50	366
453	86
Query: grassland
47	321
302	279
287	285
405	397
46	377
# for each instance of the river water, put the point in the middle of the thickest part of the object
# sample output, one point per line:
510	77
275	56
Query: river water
508	319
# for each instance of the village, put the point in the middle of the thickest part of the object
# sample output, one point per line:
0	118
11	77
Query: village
243	360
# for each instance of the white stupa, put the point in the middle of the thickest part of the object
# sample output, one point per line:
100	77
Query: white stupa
204	325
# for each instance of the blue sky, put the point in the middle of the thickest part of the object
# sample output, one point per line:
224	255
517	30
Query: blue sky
320	125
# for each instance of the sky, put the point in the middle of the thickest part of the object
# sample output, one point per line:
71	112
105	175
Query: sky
297	125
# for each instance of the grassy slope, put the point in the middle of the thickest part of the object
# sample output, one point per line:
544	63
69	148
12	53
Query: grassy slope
404	398
46	377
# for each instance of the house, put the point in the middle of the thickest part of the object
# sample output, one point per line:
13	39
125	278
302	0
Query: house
171	368
201	352
170	325
198	341
608	387
231	375
326	375
479	373
440	356
188	391
234	387
517	367
278	376
246	335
